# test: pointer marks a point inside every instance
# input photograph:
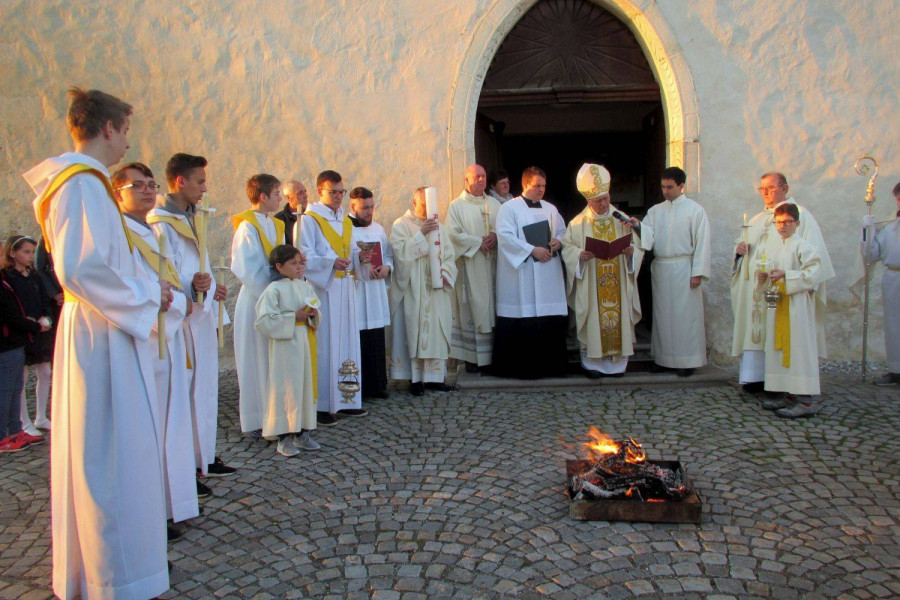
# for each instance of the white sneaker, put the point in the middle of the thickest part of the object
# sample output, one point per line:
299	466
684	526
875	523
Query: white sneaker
286	447
799	410
42	424
32	430
306	442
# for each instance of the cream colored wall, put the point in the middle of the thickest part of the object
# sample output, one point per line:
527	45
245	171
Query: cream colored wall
292	88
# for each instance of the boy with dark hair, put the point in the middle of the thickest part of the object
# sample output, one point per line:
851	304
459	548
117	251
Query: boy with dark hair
256	234
106	487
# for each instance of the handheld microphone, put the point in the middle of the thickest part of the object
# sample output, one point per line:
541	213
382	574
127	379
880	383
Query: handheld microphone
616	214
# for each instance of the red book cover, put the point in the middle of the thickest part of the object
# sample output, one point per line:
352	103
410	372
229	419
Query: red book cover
377	259
607	250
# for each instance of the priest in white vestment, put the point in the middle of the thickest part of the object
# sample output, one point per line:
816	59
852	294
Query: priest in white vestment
471	227
372	305
603	293
532	315
107	495
792	357
420	313
135	189
256	234
326	237
677	230
174	215
884	245
758	241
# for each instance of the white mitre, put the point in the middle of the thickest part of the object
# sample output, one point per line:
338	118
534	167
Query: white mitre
592	180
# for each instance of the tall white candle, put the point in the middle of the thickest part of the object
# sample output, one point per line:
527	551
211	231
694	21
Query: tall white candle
434	238
161	317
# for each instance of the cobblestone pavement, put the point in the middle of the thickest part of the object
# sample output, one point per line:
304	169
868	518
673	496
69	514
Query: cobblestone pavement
461	496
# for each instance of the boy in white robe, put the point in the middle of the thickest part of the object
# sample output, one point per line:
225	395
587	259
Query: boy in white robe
135	190
286	315
792	357
256	234
106	484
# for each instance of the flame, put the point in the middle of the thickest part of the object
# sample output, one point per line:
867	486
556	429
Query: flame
636	454
600	442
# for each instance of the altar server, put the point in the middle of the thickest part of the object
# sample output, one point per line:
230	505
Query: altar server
106	485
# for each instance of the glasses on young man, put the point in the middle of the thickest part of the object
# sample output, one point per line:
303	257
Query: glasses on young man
140	186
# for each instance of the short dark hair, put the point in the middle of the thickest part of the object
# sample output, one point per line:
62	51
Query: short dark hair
329	176
361	193
90	110
530	173
897	189
261	183
788	208
182	164
281	254
675	174
118	178
782	180
495	176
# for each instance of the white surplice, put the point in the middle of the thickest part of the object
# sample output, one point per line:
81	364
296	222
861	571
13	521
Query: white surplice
474	302
885	246
291	398
250	265
199	331
802	266
107	495
173	383
422	315
337	337
678	233
528	287
747	304
373	308
585	298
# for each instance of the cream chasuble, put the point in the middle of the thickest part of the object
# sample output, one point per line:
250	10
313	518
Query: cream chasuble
603	293
199	328
291	394
678	233
173	384
803	270
107	495
250	264
474	307
421	315
337	337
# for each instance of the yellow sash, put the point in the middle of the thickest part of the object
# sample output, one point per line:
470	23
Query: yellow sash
339	243
58	181
250	217
152	259
783	325
609	305
181	227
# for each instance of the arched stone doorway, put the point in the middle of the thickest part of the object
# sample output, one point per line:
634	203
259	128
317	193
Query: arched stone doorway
570	84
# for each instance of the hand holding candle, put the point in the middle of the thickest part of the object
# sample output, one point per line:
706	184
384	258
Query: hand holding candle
745	265
221	325
161	317
434	239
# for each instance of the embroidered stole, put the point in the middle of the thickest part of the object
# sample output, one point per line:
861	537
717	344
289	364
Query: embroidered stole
250	217
609	304
783	325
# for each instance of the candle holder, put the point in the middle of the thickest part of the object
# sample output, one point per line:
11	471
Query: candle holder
348	381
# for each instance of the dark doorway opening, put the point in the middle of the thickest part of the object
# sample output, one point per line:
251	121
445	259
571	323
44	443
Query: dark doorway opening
570	84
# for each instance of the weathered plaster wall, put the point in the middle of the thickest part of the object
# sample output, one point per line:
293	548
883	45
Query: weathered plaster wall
292	87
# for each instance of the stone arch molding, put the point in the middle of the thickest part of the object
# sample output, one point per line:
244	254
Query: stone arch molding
646	22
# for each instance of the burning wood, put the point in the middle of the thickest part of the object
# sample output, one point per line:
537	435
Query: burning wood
621	472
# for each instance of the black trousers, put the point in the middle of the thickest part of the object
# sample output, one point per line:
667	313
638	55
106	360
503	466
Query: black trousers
374	361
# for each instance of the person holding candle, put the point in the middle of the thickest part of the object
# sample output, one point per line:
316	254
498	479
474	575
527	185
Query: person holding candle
135	189
791	355
373	307
106	483
421	315
759	239
256	234
532	315
471	221
297	200
174	216
328	241
603	293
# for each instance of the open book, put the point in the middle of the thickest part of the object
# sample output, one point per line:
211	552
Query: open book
607	250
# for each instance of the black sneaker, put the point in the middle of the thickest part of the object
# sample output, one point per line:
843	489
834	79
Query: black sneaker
325	419
439	387
352	412
686	372
217	468
203	490
172	534
417	388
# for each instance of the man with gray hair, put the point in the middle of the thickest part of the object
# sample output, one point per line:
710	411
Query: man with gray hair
295	194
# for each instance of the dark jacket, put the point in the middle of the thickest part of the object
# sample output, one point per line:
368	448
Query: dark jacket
15	328
287	215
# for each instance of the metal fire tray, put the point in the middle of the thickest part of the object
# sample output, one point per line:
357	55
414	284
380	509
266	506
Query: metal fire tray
686	511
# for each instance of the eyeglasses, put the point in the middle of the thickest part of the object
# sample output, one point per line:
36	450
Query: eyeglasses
339	193
768	189
785	222
140	186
